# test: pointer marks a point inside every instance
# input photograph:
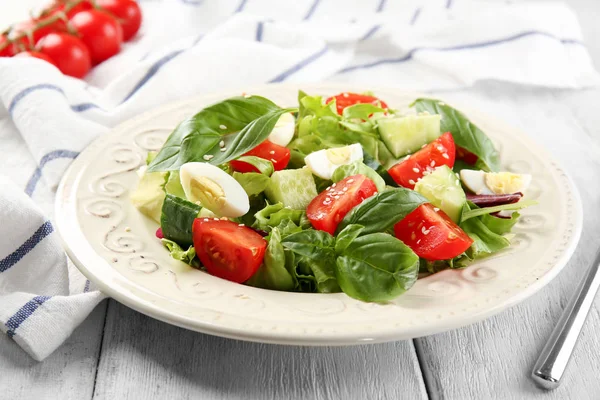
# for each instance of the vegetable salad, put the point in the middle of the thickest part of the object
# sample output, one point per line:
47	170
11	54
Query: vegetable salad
340	194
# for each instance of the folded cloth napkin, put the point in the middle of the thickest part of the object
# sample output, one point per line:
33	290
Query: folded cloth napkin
190	47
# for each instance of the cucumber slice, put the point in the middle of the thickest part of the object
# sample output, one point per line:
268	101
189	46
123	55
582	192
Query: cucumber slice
405	135
295	188
442	188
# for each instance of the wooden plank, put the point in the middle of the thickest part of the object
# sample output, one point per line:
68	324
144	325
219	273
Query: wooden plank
493	359
146	359
67	374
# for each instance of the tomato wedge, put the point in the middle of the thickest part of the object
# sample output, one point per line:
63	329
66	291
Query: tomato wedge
331	206
228	250
344	100
278	155
437	153
431	234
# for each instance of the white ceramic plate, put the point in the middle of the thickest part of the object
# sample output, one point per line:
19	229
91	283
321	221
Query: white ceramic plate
115	247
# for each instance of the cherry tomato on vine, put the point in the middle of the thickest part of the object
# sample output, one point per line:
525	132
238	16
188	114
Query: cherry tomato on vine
70	54
127	12
7	49
100	32
36	54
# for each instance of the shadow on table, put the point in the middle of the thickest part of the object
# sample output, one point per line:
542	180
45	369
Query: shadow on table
180	363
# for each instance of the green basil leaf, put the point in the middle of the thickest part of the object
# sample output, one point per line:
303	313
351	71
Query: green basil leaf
376	267
361	111
248	138
466	134
187	256
264	166
489	210
346	236
357	167
272	274
380	212
310	243
196	136
177	218
324	273
252	182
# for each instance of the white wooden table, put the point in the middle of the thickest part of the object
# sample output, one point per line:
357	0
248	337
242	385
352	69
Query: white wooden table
118	353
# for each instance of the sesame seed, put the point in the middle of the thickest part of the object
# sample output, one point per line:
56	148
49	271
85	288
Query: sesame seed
247	96
345	189
273	160
425	173
416	169
407	157
197	203
222	126
224	219
335	184
205	219
349	181
336	197
375	193
345	94
272	152
222	143
128	229
418	241
432	164
224	149
425	145
329	188
424	231
440	148
325	202
445	155
436	209
208	157
216	219
412	182
241	225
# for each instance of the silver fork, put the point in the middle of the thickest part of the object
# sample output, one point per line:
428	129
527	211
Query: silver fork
555	356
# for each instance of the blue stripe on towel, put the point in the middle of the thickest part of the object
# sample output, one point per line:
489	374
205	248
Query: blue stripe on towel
26	247
311	10
37	174
380	6
285	74
259	31
415	16
23	93
475	45
241	6
24	312
371	32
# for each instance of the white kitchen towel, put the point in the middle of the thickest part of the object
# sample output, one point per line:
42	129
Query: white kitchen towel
190	47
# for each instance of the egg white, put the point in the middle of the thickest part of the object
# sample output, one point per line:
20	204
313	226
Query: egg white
477	182
324	162
284	129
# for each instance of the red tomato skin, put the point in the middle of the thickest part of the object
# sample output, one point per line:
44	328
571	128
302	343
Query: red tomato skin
405	172
325	212
70	54
347	99
127	12
100	32
228	250
431	234
280	157
36	54
7	51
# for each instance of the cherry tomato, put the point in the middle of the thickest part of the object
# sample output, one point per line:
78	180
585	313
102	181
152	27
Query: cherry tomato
100	32
36	54
344	100
7	49
33	32
431	234
228	250
61	5
466	155
331	206
278	155
71	56
437	153
127	12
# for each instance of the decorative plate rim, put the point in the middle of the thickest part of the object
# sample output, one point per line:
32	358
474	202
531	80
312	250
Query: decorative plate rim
100	271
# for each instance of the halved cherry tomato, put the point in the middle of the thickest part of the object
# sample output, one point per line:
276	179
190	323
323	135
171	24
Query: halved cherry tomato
278	155
466	155
344	100
100	32
437	153
36	54
6	49
431	234
70	55
127	12
331	206
228	250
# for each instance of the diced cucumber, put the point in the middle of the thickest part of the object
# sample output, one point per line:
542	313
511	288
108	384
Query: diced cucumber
405	135
295	188
173	185
442	188
148	197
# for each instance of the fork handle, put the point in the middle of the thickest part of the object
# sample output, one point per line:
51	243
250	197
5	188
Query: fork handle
555	356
